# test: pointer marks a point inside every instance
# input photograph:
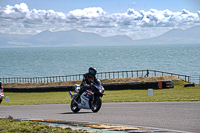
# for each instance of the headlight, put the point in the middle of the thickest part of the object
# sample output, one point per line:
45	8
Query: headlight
101	90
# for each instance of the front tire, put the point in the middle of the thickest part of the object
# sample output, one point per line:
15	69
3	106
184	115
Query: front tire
74	106
95	104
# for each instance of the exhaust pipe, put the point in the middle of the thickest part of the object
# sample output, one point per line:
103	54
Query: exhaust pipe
72	97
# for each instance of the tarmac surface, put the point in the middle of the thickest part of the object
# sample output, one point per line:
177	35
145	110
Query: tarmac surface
175	116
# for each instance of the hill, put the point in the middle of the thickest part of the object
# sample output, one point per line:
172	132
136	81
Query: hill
175	36
78	38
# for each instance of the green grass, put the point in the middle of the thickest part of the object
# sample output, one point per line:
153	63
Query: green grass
9	125
35	98
178	93
189	94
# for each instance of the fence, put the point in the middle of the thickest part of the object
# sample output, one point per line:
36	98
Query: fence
101	75
195	79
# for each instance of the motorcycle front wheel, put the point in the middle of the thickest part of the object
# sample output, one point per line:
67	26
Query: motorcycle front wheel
74	106
95	104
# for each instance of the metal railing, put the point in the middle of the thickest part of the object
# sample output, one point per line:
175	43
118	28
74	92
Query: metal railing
101	75
195	79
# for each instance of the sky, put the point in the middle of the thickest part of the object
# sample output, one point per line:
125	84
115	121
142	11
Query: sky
138	19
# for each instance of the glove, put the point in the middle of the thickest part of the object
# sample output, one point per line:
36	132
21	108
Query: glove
87	85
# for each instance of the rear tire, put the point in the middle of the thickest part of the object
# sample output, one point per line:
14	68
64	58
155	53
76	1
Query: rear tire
95	104
74	106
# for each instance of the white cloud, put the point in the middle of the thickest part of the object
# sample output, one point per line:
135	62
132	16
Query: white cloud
92	12
18	19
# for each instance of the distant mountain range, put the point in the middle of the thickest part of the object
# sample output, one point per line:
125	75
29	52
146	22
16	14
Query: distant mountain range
175	36
77	38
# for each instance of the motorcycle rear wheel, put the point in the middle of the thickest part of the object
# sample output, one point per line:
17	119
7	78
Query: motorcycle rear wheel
74	106
95	104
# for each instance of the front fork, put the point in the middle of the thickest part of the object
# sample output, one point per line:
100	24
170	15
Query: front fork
72	97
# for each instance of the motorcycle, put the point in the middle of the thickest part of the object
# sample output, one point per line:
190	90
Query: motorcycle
1	95
89	99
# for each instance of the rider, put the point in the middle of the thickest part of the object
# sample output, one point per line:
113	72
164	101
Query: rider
88	79
1	87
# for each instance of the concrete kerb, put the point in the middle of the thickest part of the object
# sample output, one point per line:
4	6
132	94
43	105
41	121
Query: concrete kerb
100	127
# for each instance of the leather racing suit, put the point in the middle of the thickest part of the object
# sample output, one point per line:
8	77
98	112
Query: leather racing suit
86	82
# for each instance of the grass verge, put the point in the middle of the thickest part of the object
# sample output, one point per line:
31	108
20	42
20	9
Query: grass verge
178	93
9	125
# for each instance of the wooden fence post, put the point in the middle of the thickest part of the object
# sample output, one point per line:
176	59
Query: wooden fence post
118	74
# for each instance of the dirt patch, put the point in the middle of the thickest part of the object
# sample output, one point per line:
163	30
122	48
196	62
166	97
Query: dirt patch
139	79
67	83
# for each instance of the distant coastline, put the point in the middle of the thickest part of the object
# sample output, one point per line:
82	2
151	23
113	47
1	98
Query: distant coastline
78	38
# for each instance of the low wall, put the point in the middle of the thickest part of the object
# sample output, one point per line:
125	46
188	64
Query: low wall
40	89
111	86
140	85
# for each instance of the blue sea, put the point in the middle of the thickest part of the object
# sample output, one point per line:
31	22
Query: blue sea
61	61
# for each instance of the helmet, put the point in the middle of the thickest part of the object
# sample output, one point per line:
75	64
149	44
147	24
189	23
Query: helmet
92	71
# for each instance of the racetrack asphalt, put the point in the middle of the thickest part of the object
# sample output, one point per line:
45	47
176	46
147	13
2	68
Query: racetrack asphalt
181	116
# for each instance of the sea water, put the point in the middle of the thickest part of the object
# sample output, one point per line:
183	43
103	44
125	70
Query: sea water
61	61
